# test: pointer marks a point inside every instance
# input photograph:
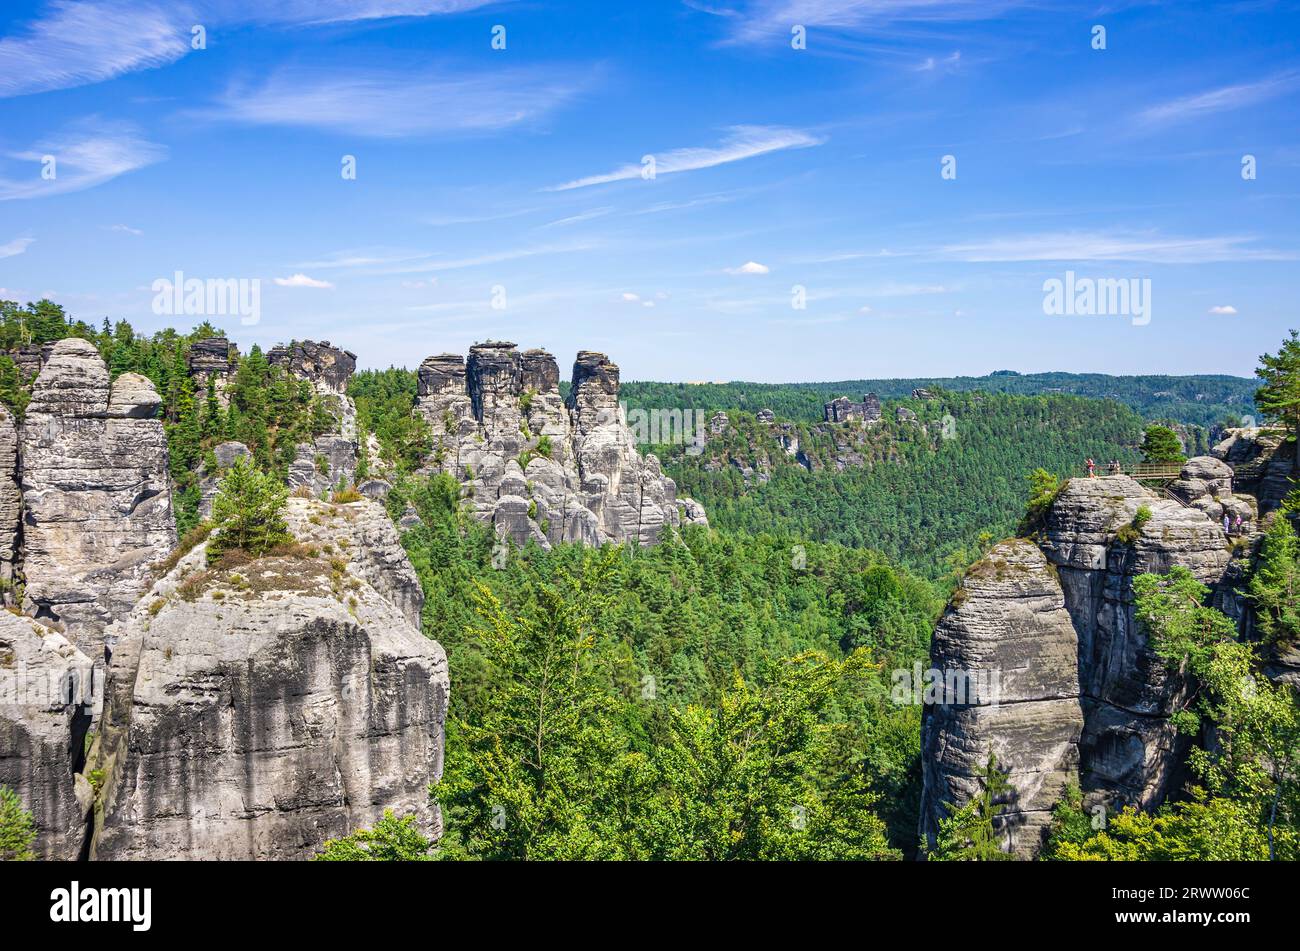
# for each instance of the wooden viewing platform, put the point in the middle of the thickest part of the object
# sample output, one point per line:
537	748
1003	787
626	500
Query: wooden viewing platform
1142	471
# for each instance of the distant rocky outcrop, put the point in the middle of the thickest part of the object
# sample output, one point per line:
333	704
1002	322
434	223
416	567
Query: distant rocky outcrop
256	709
326	366
1127	751
843	410
96	493
213	360
47	694
540	467
330	460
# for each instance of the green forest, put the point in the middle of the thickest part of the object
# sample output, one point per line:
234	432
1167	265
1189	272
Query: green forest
1206	400
726	694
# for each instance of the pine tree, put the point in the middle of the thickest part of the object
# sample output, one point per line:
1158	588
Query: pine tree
1274	585
1279	398
1161	445
969	833
249	511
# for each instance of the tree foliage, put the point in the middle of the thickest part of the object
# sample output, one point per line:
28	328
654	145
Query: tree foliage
17	831
248	512
391	840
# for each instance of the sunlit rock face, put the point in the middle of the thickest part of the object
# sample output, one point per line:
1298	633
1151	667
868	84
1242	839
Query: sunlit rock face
537	466
96	493
256	710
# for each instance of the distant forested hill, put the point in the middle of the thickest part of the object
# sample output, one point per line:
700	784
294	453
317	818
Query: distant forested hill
1202	400
900	487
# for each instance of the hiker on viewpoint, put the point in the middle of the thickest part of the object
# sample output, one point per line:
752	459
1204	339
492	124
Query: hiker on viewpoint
1237	524
1227	524
1114	467
1091	466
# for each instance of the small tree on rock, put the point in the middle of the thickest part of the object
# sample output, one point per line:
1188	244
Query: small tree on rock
249	511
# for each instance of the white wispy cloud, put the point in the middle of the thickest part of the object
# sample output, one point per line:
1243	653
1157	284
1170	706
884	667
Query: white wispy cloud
86	154
15	247
759	20
1106	246
1226	309
125	229
391	103
78	42
301	280
581	216
1236	96
88	42
750	267
742	142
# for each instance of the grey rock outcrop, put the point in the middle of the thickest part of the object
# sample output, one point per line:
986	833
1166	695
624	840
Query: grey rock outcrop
96	493
225	455
362	534
843	410
535	465
330	459
48	692
1128	752
327	367
213	359
1263	463
11	507
254	711
1009	629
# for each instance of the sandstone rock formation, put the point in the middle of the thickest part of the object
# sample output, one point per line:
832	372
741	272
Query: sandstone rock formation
11	507
327	367
842	409
48	690
210	482
1263	463
1128	752
256	709
213	359
96	493
539	467
1011	628
331	459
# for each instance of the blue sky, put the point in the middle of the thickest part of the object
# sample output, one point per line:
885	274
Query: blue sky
482	169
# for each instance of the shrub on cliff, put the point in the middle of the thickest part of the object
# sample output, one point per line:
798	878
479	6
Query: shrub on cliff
249	511
1044	487
16	829
391	840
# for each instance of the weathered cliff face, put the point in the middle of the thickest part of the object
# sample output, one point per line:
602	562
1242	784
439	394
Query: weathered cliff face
11	507
1263	463
1127	751
255	710
1130	752
327	367
96	493
536	466
48	689
213	359
331	459
1009	628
